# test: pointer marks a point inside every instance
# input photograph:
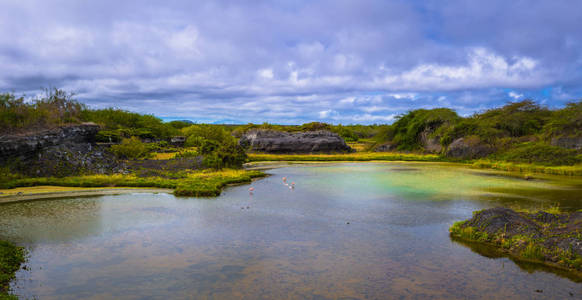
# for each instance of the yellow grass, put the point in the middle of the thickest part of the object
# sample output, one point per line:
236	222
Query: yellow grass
171	155
357	156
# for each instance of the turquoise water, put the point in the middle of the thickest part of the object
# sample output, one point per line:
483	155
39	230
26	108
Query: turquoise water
346	231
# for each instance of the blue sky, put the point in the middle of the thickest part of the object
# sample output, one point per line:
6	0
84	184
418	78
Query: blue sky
292	62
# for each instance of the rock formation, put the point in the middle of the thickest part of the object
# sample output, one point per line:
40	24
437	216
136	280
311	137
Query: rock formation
469	148
24	146
63	151
272	141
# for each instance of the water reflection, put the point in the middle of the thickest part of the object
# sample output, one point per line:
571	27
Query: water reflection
347	231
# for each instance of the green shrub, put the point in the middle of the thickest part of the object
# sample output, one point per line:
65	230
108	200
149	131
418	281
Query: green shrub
108	136
566	121
406	130
55	108
314	126
131	148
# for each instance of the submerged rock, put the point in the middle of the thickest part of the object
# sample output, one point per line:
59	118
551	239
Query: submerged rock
555	239
272	141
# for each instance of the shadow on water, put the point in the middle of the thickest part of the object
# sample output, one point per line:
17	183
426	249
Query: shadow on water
527	266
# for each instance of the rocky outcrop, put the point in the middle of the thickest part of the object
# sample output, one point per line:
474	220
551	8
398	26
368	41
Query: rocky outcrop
63	151
468	148
541	236
568	142
430	143
69	159
24	146
272	141
386	147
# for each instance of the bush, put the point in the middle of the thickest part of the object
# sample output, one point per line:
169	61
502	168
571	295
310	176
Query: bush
195	134
346	133
55	108
131	148
405	132
315	126
108	136
566	121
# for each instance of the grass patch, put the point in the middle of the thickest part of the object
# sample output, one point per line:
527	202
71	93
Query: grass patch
174	154
11	257
189	183
358	156
575	170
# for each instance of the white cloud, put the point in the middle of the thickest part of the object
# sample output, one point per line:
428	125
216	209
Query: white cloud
515	95
266	73
484	68
326	114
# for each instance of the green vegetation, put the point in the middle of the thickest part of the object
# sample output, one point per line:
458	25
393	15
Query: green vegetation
539	153
11	257
56	108
406	130
131	148
528	168
184	183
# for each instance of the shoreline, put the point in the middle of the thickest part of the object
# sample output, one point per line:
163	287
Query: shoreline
68	193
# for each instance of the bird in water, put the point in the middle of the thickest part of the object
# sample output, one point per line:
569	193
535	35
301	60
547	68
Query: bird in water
251	190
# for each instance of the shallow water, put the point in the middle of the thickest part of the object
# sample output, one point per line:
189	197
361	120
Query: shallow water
282	243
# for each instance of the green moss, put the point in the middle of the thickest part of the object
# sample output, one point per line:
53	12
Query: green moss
11	257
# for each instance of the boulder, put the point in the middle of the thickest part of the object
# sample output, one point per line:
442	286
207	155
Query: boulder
469	148
272	141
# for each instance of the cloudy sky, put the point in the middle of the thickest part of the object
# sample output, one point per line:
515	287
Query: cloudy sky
293	61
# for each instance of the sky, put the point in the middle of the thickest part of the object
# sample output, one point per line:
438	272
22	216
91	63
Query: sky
291	62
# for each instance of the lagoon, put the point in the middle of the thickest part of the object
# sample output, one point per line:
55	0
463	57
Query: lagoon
346	231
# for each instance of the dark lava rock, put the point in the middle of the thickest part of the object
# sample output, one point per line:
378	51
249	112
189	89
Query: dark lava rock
24	146
499	219
542	236
272	141
69	159
63	151
469	148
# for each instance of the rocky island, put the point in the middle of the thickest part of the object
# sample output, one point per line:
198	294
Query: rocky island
551	238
